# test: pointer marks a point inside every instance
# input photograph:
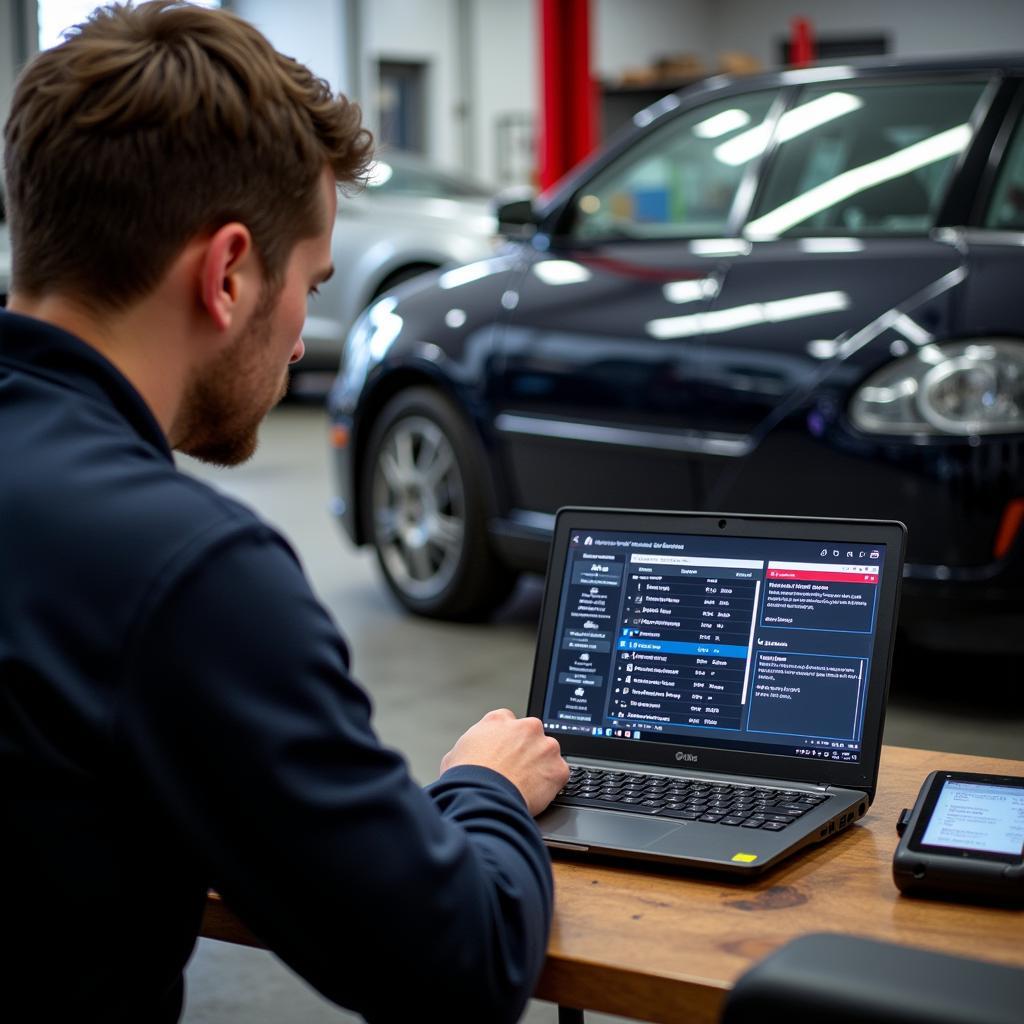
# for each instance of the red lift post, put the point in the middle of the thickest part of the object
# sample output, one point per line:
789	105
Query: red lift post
801	43
568	124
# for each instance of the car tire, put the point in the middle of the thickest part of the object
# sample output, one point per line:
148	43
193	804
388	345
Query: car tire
425	509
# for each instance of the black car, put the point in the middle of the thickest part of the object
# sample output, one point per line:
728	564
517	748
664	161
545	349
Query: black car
800	292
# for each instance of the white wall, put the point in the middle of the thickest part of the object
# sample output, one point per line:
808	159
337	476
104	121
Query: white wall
11	50
504	46
7	61
311	31
632	33
912	26
506	73
422	31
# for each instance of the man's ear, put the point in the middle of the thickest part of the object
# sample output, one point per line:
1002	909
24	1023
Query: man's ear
229	275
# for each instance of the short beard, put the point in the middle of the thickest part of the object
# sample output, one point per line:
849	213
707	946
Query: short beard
221	420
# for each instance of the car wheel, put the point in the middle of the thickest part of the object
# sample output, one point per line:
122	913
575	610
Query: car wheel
426	511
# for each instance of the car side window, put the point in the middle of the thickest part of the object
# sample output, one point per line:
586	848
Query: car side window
680	181
864	160
1006	210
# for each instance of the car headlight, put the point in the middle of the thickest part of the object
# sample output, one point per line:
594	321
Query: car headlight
960	388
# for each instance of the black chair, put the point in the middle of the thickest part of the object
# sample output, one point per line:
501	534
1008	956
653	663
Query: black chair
841	979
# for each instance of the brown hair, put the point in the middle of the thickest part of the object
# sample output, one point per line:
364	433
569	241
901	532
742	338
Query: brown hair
153	124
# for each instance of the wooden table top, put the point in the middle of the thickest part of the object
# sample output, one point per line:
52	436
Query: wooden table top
667	946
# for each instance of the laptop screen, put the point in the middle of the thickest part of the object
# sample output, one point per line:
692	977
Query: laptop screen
741	643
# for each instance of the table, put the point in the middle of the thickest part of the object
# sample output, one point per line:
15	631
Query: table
663	946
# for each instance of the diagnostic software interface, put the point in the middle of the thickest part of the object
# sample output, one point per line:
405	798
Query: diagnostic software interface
975	816
746	643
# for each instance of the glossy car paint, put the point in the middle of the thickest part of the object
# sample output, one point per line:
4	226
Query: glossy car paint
743	403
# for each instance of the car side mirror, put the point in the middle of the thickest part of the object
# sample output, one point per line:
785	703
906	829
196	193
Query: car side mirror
516	218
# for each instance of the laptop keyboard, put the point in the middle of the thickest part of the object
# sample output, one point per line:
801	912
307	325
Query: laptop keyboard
668	796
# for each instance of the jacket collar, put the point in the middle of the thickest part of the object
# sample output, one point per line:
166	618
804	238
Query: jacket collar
50	352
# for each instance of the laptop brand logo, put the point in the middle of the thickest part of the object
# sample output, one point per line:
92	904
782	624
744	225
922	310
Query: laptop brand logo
680	756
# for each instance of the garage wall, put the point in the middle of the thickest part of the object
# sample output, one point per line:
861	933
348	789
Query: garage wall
11	50
311	31
913	27
319	33
488	71
7	62
506	77
420	32
632	34
506	58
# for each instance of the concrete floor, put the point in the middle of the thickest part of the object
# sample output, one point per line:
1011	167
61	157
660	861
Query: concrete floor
431	680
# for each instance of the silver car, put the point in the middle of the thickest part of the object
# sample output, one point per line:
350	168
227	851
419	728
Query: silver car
5	254
410	218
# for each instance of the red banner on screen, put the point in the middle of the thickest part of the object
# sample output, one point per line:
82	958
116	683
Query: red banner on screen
822	576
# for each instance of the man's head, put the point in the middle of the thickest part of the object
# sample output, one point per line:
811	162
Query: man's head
226	396
152	124
151	127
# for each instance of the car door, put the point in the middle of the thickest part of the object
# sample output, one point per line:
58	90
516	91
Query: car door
596	402
841	252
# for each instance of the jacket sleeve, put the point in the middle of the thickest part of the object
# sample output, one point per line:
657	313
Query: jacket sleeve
239	713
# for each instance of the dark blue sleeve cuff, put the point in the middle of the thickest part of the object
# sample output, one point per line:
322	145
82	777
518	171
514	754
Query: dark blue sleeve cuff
478	775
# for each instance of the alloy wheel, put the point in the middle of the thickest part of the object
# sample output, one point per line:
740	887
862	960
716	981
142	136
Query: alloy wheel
419	507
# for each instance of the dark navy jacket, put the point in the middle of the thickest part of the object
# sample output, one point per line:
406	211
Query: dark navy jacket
176	713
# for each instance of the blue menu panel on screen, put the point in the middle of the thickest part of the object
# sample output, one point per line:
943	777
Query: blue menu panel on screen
746	643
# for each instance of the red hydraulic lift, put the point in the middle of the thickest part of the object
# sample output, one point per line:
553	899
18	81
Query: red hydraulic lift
802	50
568	123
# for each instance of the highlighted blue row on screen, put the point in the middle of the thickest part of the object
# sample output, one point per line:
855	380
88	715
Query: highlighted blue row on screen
674	647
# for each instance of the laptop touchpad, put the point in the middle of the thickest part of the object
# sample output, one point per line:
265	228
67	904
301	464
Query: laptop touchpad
603	828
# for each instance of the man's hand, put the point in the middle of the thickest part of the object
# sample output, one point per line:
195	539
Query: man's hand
518	749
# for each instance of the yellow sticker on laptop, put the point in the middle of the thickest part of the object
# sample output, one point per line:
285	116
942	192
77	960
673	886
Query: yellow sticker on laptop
745	858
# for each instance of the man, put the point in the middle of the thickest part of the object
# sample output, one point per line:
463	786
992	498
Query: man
176	710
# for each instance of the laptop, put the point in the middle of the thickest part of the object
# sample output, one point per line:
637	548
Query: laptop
717	682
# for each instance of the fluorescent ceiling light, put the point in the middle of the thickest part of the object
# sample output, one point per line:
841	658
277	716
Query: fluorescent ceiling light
644	117
458	276
823	348
858	179
719	321
744	147
793	123
719	247
912	330
796	75
378	173
386	324
830	244
556	272
931	354
690	291
727	121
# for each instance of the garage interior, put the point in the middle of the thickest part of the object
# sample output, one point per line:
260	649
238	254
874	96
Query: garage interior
429	679
459	83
